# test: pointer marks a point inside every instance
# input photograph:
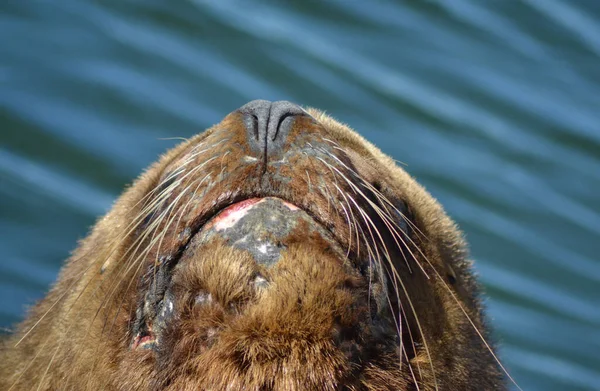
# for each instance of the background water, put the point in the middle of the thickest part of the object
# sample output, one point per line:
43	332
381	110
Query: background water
493	105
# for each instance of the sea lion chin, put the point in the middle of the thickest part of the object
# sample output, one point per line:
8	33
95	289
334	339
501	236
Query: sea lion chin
278	250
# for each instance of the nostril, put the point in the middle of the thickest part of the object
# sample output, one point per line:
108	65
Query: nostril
282	116
256	120
254	125
285	122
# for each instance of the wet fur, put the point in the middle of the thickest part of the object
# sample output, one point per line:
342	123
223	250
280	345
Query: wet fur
306	331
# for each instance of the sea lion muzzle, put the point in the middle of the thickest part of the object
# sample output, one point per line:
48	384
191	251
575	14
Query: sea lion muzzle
263	222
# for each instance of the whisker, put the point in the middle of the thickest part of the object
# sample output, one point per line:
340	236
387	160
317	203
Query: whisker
397	234
369	224
131	227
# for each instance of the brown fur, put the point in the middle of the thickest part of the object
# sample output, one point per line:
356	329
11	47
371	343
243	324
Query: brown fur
316	326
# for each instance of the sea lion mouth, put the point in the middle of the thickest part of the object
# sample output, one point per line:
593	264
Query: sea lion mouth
260	226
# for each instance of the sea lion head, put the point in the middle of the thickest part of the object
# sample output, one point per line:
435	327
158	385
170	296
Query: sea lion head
276	250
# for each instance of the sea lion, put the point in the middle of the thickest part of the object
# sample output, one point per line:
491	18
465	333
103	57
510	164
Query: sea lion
278	250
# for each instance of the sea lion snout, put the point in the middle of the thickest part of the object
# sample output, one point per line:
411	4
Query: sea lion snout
268	124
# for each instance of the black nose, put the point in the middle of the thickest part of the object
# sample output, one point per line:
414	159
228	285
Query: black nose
268	124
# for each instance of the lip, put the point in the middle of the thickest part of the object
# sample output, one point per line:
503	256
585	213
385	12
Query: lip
227	217
237	199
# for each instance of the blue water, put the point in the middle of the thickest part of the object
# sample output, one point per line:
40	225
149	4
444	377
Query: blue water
493	105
